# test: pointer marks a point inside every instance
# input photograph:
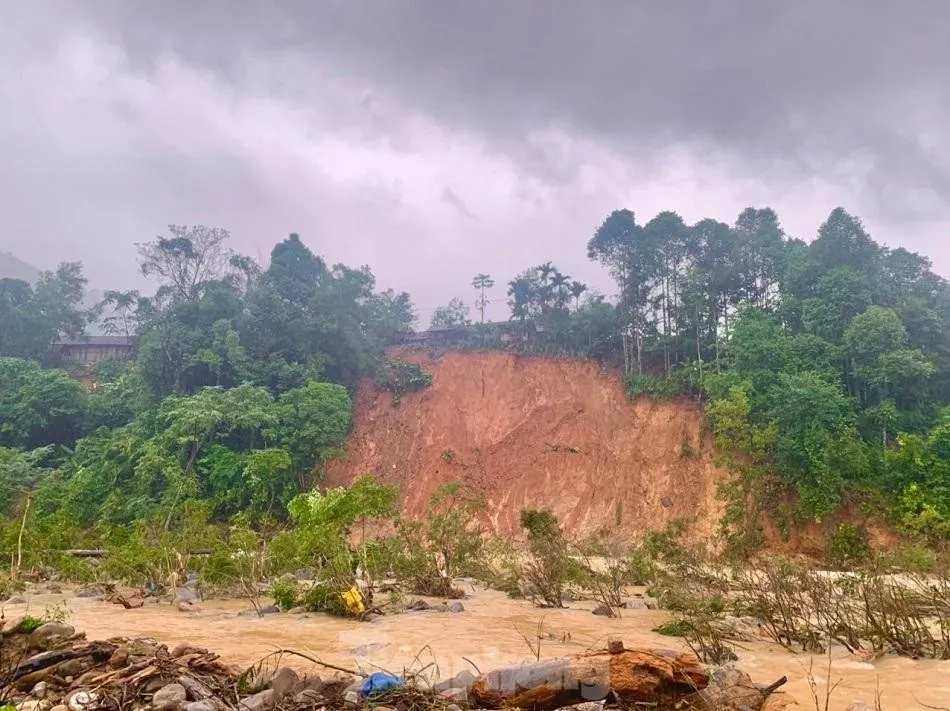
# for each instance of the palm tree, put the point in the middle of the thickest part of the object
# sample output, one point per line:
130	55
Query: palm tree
124	305
576	289
520	292
560	284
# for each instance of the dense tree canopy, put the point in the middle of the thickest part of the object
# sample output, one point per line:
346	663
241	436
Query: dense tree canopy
824	365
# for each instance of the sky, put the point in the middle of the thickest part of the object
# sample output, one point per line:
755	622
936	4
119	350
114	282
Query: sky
436	139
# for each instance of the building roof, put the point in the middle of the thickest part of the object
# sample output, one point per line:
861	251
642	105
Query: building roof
113	341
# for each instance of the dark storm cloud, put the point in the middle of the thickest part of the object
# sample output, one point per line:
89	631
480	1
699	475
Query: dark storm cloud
767	79
379	130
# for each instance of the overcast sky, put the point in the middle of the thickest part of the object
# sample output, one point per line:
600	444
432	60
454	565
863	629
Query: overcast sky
434	139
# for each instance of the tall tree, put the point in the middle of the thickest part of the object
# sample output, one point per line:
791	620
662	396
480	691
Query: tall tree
482	282
190	258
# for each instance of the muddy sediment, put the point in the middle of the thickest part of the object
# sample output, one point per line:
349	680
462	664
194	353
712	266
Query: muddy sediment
489	633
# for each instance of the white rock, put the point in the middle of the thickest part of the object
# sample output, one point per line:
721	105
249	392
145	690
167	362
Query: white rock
169	696
83	701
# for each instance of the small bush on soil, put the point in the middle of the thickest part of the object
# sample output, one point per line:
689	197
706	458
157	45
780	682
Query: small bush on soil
450	542
849	547
323	597
549	568
286	594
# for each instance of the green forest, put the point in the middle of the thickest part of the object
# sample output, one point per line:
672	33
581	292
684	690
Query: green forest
824	368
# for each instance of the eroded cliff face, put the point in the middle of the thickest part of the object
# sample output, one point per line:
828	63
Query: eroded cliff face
533	432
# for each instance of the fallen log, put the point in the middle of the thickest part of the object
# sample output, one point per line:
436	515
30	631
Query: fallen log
632	676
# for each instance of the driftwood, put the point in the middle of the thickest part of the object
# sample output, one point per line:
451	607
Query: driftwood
632	676
44	660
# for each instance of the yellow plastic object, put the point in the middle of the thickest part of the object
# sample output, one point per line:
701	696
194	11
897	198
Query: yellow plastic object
353	599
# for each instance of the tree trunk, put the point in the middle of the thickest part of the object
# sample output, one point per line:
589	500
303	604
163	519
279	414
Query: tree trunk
634	676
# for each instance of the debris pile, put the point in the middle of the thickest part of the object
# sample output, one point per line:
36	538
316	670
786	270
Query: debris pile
51	667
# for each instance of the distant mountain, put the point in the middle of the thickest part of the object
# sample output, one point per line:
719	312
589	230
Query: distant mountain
13	268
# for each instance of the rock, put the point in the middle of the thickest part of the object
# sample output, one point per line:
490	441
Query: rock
203	705
261	701
307	697
602	611
304	574
456	607
741	629
640	603
185	594
589	706
288	578
54	589
72	667
455	694
16	600
614	645
351	698
119	658
11	626
463	680
453	707
83	701
270	610
48	636
169	696
299	610
784	702
284	682
39	691
418	605
35	705
185	606
371	617
87	592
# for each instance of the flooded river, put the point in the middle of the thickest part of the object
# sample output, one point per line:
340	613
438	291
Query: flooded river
490	632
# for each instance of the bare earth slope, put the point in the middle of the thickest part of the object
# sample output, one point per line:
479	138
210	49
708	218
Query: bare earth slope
533	432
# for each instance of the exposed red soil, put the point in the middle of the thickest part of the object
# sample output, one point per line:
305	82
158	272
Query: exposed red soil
534	432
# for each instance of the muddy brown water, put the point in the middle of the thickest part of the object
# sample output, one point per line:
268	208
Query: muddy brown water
489	633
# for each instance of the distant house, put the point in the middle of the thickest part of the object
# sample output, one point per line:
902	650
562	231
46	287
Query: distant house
89	350
502	332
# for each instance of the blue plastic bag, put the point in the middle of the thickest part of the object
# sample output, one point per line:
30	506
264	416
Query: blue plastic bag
378	683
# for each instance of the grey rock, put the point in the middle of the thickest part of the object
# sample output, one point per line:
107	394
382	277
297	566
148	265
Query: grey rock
308	697
418	605
51	634
169	696
288	578
16	600
640	603
284	681
260	701
602	611
87	592
270	610
463	680
35	705
203	705
39	691
299	610
455	694
304	574
456	607
185	594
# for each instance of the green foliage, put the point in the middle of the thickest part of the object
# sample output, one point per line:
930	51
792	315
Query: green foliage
400	377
